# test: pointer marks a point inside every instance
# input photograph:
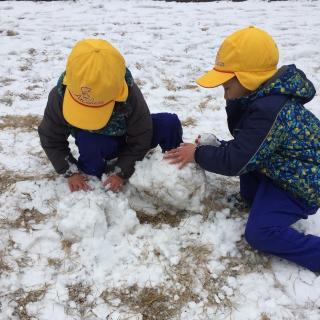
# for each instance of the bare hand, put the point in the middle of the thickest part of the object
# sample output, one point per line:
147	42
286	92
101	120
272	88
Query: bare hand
181	155
114	183
78	182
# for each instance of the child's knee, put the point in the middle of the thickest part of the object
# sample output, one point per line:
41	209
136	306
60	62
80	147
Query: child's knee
174	121
261	238
169	120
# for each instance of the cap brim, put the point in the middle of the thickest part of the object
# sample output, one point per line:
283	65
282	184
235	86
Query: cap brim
214	78
84	117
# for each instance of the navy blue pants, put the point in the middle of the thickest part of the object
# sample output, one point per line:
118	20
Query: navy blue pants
95	149
272	213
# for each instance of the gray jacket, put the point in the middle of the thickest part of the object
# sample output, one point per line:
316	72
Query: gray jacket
54	132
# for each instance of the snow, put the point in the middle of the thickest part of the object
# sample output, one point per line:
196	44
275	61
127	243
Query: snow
180	190
56	241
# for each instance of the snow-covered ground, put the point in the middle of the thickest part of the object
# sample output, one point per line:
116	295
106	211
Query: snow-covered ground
170	246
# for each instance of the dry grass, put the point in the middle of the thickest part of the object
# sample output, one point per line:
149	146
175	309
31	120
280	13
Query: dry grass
140	83
204	104
9	178
23	298
78	293
161	218
151	303
25	67
33	87
189	122
12	33
164	302
29	96
4	267
27	123
170	85
55	263
171	98
190	87
7	98
139	66
26	220
5	81
32	51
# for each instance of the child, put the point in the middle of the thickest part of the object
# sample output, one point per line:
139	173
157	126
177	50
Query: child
97	101
275	148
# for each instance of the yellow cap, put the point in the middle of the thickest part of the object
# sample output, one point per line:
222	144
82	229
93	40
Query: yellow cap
250	54
95	80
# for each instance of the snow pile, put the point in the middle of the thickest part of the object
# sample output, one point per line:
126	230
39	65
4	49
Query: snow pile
165	186
90	214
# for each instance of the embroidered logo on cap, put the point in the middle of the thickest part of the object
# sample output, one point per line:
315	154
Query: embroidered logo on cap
86	99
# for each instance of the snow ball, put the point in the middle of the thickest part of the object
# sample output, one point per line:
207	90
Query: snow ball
166	186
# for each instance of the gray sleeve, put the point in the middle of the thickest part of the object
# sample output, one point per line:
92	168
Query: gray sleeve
139	134
53	132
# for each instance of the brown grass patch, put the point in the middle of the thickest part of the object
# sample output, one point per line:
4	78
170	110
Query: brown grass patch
33	87
9	178
188	122
55	262
32	51
190	87
66	245
23	298
11	33
29	96
4	267
204	104
26	220
163	302
5	81
78	293
7	98
264	317
25	67
161	218
139	66
28	123
171	98
170	85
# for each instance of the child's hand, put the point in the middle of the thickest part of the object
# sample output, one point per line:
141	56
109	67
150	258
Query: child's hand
181	155
78	182
114	183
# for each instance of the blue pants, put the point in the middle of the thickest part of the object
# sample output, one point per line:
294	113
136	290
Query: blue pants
95	149
272	213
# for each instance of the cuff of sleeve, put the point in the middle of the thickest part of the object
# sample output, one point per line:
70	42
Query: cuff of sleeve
71	171
196	153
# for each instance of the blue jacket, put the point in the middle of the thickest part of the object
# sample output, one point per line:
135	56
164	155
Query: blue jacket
273	134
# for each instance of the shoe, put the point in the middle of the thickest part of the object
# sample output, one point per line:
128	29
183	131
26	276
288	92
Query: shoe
238	202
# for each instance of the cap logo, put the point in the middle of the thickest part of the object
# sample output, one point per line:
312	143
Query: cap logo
85	98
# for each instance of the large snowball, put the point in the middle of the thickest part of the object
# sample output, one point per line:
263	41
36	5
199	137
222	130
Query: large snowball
166	186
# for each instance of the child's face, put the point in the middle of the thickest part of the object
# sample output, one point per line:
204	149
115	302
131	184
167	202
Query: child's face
233	89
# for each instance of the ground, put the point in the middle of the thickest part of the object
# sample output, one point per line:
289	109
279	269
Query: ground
170	246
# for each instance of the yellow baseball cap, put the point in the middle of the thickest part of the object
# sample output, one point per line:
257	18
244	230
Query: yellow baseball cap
95	80
250	54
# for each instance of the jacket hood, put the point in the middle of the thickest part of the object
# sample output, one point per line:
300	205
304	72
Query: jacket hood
289	81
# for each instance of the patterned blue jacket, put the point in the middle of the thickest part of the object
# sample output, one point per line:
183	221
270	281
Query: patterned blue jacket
273	134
